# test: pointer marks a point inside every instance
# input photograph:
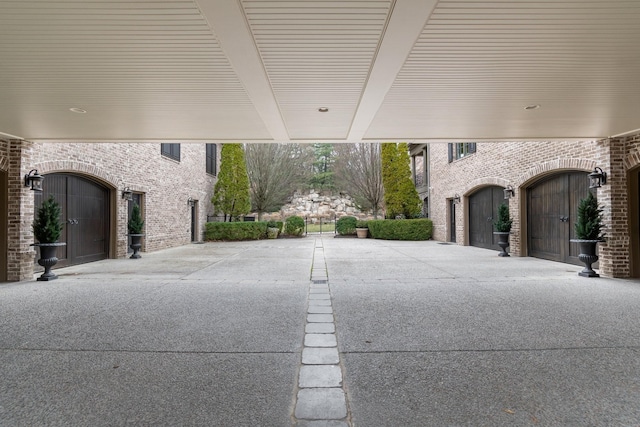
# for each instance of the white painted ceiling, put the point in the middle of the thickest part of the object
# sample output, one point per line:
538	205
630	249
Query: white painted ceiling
258	70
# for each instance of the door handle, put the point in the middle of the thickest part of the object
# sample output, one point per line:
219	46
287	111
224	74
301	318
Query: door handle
489	219
564	219
72	221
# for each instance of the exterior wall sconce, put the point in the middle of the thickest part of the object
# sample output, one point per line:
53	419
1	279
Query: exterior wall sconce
509	192
456	199
34	180
597	178
191	202
127	194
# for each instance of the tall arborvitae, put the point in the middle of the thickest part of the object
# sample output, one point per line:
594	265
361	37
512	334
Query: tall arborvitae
231	192
400	195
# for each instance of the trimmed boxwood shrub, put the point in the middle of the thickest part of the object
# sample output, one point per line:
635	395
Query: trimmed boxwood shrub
235	230
401	229
346	225
294	226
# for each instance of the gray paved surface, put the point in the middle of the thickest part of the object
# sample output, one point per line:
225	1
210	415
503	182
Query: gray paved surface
428	335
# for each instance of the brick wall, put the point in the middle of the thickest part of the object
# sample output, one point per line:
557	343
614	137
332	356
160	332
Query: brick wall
165	185
506	163
519	164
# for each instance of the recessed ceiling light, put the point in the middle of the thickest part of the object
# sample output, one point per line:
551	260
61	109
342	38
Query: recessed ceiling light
77	110
323	109
532	107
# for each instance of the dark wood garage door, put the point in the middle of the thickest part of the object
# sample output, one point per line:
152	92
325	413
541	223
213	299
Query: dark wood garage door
85	214
551	213
483	210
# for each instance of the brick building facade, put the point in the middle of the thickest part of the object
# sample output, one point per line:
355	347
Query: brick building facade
174	193
441	176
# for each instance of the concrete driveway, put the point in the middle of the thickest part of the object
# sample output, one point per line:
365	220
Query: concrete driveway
320	331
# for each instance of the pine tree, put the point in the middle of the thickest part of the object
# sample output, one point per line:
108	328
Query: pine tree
231	192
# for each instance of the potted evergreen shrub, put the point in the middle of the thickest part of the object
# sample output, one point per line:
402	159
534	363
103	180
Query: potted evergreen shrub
136	227
46	230
588	231
503	228
362	229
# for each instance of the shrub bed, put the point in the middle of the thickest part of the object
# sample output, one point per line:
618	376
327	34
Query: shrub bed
401	229
346	225
235	230
294	226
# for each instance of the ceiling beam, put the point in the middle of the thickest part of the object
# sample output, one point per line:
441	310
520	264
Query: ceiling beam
406	21
229	24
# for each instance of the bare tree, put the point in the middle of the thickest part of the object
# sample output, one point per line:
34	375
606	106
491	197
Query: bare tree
275	172
358	172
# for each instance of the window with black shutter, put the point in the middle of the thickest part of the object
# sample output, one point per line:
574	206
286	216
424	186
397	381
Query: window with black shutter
212	159
170	150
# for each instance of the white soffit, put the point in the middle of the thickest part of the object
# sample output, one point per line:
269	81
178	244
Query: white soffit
477	64
142	69
258	70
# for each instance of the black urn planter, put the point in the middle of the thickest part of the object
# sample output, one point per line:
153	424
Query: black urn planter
136	244
587	256
48	259
503	242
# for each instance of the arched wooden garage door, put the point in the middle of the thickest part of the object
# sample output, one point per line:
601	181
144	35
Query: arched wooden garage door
85	214
551	213
483	211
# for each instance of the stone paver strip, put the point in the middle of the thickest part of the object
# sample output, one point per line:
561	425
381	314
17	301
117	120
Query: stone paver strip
321	401
320	340
322	302
314	309
320	356
320	328
320	318
320	376
321	404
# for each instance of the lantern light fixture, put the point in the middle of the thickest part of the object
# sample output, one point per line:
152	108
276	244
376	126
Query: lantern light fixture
191	202
127	194
34	180
597	178
456	199
509	192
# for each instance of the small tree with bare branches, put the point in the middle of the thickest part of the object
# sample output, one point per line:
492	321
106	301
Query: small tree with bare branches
275	172
358	171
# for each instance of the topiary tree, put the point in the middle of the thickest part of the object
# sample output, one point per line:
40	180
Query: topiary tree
231	192
503	223
135	224
47	226
588	225
400	195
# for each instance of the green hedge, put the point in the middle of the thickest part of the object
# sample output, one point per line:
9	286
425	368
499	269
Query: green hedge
401	229
294	226
346	225
235	230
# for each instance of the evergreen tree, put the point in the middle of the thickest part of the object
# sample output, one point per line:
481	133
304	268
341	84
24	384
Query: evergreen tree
323	167
400	195
231	192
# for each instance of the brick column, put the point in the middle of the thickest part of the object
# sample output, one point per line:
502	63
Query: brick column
614	253
20	213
